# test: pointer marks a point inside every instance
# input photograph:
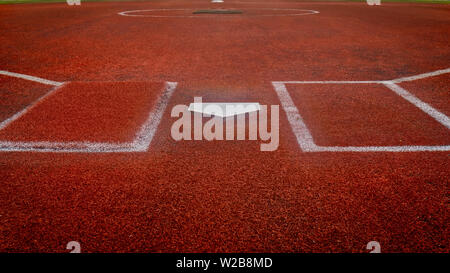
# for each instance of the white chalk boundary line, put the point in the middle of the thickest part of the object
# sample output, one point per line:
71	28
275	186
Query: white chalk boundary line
421	76
8	121
145	135
140	143
129	13
306	141
30	78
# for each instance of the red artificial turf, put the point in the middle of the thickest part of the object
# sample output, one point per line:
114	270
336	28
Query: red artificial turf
364	115
95	112
17	94
434	91
227	196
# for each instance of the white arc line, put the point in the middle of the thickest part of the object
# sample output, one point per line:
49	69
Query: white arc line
132	13
30	78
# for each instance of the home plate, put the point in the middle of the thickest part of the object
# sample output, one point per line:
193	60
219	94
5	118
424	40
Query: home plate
224	109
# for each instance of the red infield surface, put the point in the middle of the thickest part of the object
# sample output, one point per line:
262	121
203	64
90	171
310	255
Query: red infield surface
88	111
107	87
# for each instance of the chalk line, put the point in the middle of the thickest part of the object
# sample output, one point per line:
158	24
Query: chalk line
306	141
145	135
30	78
8	121
301	131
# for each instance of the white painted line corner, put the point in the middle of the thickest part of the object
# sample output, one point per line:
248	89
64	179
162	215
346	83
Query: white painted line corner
301	131
141	142
306	141
146	133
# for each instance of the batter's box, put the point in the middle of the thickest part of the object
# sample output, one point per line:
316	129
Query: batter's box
89	117
388	112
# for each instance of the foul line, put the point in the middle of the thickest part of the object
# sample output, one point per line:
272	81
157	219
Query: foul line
30	78
438	116
304	136
421	76
8	121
